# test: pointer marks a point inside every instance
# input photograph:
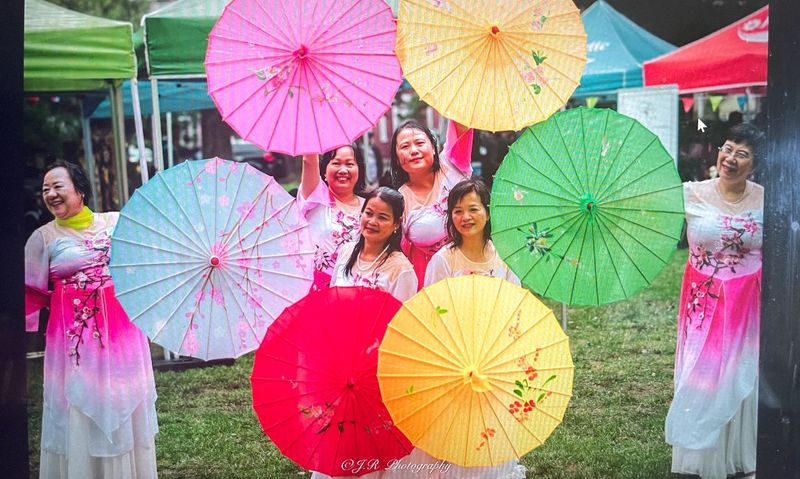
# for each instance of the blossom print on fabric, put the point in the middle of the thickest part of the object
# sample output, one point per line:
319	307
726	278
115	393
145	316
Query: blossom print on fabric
535	76
529	396
538	241
736	230
85	309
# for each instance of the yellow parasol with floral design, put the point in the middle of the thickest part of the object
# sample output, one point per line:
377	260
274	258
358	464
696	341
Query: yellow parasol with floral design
492	64
475	370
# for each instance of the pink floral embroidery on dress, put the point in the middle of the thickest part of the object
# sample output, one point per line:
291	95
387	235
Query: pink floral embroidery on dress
84	310
369	280
345	230
729	256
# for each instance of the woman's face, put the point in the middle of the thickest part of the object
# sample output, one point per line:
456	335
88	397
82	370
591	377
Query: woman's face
59	194
470	216
735	161
378	221
341	174
414	151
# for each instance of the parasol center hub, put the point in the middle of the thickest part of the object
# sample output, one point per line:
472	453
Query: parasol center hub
214	261
495	30
588	203
351	383
301	52
477	381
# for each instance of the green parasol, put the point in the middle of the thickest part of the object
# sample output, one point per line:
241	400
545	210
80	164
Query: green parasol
587	207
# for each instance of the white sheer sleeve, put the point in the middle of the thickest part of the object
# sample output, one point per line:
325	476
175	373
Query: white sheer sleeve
405	286
437	269
37	271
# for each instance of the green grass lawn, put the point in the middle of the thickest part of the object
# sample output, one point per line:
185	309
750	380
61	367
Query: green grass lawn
613	428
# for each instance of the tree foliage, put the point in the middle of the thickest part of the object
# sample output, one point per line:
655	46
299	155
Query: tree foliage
124	10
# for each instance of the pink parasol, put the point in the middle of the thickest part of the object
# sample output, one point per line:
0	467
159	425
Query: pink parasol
303	77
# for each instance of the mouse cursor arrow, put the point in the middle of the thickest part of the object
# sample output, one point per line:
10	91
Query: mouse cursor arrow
701	126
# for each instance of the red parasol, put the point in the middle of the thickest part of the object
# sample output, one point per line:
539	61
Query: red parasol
314	382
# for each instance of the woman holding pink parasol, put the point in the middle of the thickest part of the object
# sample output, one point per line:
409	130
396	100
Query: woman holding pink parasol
331	205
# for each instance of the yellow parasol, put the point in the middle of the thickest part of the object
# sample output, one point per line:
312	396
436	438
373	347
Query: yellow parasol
475	370
492	64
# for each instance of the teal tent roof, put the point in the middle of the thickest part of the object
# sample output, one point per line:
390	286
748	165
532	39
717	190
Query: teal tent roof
70	51
616	50
173	95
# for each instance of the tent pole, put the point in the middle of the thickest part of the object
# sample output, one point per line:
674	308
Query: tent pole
170	154
118	129
89	157
155	118
137	121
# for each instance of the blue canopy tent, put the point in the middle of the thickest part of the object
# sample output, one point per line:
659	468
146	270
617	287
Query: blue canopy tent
173	95
616	50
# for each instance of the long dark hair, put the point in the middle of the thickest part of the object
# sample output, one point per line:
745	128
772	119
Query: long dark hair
395	200
463	188
361	184
399	175
76	174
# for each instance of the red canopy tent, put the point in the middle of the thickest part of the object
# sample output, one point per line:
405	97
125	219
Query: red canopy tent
728	59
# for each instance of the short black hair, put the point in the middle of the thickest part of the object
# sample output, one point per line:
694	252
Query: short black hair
361	183
750	135
76	174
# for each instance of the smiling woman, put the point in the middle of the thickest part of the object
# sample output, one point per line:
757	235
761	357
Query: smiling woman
471	250
99	417
375	260
424	177
711	423
328	199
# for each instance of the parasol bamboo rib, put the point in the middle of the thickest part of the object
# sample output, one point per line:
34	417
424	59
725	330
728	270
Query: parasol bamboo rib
634	238
543	218
227	279
450	334
668	188
581	186
652	230
666	165
577	189
603	151
279	40
601	224
581	225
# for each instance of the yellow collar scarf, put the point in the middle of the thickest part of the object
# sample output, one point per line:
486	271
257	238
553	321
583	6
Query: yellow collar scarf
79	221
